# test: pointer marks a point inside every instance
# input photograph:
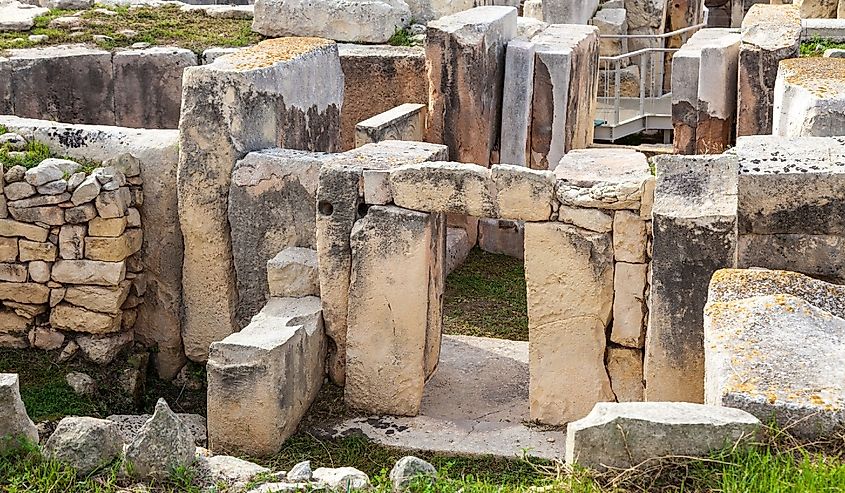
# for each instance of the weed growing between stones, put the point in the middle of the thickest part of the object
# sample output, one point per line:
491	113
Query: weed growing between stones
33	153
816	46
402	37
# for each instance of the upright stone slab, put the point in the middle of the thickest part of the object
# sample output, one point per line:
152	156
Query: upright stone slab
148	86
263	379
771	33
569	11
390	309
774	347
354	21
564	95
809	98
465	55
265	105
569	278
517	98
704	72
694	223
15	425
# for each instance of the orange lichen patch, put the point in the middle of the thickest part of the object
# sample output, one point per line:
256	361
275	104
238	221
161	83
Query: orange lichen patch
824	77
272	51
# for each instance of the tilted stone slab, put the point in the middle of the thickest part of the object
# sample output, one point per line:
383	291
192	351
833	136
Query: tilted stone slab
694	225
625	435
395	309
809	98
771	33
777	352
569	281
602	178
265	107
465	53
262	379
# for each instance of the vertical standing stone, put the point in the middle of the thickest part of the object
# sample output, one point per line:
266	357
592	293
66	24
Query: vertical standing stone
516	98
241	102
771	33
564	96
694	219
389	310
569	11
465	56
569	278
810	98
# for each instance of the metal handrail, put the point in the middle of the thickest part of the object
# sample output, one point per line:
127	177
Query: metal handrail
655	36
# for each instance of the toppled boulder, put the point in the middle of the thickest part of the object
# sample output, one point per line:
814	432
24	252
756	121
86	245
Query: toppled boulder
130	425
774	345
623	435
342	478
164	442
15	425
84	443
407	469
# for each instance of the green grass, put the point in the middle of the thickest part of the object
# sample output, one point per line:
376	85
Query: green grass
165	25
486	297
401	37
817	46
34	153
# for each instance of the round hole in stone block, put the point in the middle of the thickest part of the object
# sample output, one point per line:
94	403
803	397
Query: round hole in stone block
325	208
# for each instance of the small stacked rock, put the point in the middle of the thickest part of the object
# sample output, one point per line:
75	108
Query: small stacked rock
69	270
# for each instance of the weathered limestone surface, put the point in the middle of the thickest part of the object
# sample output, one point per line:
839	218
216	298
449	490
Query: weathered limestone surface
163	443
569	278
774	347
156	151
395	297
569	11
266	106
818	9
355	21
808	99
404	122
293	273
612	22
602	179
454	188
262	379
338	198
694	224
148	86
517	98
465	57
564	94
624	435
84	443
771	33
704	74
19	16
14	422
376	79
625	369
502	237
629	304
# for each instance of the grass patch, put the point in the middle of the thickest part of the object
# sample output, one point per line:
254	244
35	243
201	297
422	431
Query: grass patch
401	37
33	154
486	297
165	25
817	46
48	397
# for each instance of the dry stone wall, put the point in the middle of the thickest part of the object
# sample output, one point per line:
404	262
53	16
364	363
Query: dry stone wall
70	274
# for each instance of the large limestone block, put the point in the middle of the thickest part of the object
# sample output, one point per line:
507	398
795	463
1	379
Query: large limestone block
454	188
293	273
65	316
777	356
771	33
815	255
502	237
625	435
517	95
266	105
808	99
523	194
569	11
818	9
89	272
395	307
15	424
376	79
569	278
262	380
355	21
564	95
159	322
148	86
85	94
694	235
603	179
465	56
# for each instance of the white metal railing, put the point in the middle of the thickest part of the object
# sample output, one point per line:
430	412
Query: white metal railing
621	112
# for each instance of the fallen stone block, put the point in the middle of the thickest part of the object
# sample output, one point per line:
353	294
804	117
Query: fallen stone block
267	95
353	21
163	443
15	425
808	98
404	122
281	350
293	273
84	444
625	435
694	225
465	53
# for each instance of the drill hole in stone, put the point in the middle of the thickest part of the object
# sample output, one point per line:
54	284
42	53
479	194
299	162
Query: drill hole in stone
325	208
